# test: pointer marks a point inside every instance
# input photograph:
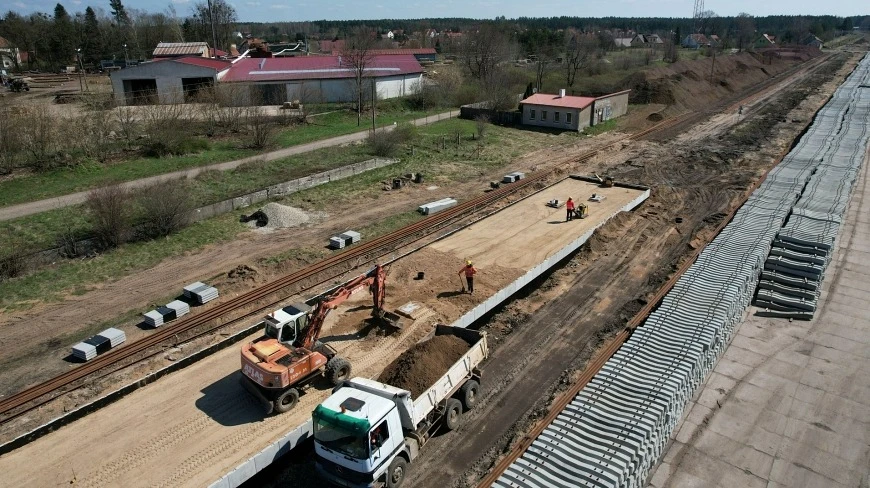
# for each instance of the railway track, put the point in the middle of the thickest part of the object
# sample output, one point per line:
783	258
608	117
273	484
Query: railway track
37	395
637	320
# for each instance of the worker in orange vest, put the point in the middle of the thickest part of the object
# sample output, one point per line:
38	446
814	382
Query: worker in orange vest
469	271
570	206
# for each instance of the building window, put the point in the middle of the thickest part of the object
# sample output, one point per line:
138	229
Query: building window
555	116
568	117
532	114
543	115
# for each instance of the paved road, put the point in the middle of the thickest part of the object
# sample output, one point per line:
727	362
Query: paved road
789	402
39	206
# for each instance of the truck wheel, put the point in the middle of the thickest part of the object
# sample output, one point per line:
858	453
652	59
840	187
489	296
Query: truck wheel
396	472
452	413
286	400
337	370
468	394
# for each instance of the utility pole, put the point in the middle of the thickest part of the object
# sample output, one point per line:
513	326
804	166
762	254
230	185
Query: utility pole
213	33
374	102
126	57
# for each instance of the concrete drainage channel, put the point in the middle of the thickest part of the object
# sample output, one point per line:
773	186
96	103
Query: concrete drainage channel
615	429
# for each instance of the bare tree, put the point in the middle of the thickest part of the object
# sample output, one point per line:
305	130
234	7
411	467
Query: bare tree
579	49
109	211
165	208
745	30
357	56
483	49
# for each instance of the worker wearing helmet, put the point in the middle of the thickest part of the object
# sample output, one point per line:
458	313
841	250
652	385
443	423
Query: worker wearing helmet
569	205
469	271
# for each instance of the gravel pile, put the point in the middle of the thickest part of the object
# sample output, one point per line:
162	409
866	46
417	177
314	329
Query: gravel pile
281	216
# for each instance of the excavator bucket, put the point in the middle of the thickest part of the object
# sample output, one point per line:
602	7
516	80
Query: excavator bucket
390	319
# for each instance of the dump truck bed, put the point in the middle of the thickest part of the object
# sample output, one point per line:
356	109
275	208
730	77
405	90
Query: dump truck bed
456	375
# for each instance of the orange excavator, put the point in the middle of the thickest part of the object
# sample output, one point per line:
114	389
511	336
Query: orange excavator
288	357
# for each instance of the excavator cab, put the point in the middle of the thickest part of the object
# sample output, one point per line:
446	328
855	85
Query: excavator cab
286	324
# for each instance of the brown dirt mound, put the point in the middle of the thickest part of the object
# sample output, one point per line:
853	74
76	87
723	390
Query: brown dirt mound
655	117
419	367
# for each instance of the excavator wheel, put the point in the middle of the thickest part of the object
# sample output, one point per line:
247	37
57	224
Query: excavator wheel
286	400
337	370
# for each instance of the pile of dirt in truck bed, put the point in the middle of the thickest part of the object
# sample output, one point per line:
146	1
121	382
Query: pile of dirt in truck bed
419	367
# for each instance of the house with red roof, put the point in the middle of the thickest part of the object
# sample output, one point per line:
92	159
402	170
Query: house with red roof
173	80
328	78
568	112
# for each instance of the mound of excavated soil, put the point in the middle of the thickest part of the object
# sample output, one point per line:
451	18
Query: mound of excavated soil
419	367
281	216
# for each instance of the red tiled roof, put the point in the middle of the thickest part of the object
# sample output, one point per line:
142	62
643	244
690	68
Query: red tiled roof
330	46
557	101
316	67
386	52
216	64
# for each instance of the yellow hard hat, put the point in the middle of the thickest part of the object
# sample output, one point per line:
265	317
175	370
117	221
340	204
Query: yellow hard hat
468	262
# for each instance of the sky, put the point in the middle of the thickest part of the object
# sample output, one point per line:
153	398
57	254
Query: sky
301	10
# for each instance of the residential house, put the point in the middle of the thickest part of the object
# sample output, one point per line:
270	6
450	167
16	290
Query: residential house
571	112
813	41
766	40
695	41
389	35
639	41
622	41
175	80
180	50
328	78
654	40
10	56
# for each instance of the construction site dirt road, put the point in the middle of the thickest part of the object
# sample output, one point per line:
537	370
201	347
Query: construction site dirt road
612	275
573	311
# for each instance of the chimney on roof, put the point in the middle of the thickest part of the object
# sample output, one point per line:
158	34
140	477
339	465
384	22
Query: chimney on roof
562	93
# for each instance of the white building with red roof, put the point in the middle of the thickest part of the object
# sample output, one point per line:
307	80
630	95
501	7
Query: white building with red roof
327	78
568	112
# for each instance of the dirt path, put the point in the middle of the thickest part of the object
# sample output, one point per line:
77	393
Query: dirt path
30	208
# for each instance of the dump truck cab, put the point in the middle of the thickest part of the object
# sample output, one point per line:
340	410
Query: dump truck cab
357	437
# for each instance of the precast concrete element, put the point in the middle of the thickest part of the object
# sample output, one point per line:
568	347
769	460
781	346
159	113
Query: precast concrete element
616	428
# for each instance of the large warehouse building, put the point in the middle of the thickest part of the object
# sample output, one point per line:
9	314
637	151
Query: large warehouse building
324	78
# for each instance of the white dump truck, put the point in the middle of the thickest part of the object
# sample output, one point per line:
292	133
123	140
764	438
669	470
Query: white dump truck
367	432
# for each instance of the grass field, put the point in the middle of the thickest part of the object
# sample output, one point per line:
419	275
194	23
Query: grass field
436	153
91	174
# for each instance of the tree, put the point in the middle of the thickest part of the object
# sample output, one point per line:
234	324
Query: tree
745	25
119	12
579	48
91	41
62	37
357	56
483	49
225	19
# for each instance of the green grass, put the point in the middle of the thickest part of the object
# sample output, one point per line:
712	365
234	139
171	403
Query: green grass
91	174
600	128
440	165
53	282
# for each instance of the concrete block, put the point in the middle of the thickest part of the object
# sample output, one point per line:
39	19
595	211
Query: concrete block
241	202
258	196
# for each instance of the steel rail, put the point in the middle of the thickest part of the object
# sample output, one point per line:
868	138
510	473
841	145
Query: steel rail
356	253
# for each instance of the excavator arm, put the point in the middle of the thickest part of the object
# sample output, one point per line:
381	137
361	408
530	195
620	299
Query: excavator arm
374	279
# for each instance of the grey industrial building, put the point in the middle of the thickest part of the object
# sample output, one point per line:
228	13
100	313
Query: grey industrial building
165	81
